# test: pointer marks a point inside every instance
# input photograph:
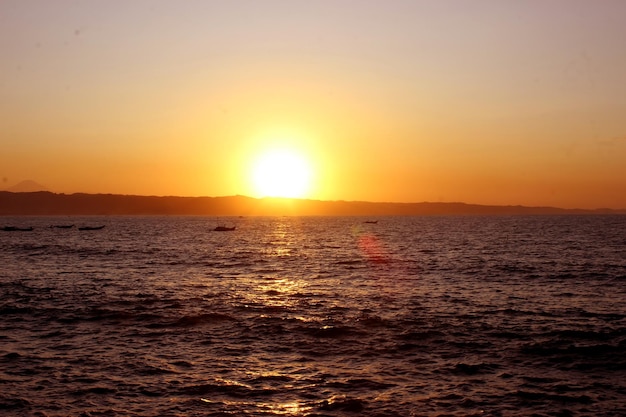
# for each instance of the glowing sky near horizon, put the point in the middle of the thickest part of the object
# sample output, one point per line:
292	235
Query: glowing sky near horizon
488	102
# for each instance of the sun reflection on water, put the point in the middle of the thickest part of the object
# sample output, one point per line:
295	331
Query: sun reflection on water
281	239
288	408
292	408
278	292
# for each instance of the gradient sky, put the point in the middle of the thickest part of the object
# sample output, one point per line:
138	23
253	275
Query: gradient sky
487	102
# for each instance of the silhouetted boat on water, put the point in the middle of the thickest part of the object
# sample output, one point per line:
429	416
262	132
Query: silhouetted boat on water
371	221
61	226
17	229
91	228
224	229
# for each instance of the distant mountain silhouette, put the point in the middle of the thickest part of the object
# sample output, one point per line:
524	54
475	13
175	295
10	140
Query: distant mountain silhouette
27	186
47	203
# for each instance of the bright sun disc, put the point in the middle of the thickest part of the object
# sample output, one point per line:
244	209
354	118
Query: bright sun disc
281	173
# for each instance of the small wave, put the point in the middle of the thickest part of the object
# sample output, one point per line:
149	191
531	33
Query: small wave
349	262
360	383
11	356
148	370
372	321
421	336
201	319
474	369
341	403
582	335
95	390
183	364
9	403
152	392
557	348
542	397
539	379
331	332
271	379
507	335
232	390
53	334
15	310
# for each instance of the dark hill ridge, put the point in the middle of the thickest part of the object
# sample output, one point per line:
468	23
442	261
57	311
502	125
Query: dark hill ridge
47	203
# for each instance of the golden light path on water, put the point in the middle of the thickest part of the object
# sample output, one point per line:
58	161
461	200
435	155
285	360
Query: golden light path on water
286	408
281	292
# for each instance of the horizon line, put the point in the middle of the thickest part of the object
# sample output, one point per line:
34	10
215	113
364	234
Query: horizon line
322	201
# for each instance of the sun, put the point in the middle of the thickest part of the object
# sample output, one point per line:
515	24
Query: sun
281	173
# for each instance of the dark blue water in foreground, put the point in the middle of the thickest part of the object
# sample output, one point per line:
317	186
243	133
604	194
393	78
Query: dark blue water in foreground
412	316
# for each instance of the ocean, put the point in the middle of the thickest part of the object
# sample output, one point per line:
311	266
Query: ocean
314	316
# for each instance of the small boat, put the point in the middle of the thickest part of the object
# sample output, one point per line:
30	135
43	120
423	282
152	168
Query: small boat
61	226
224	229
17	229
371	221
91	227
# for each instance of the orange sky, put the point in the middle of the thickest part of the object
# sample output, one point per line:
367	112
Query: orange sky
487	102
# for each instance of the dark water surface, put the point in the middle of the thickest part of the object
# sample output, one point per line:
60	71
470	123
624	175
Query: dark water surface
413	316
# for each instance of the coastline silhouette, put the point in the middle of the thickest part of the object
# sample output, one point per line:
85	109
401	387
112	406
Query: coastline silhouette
47	203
